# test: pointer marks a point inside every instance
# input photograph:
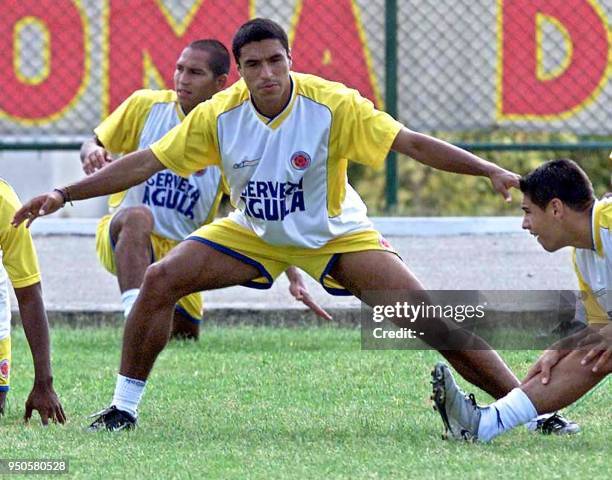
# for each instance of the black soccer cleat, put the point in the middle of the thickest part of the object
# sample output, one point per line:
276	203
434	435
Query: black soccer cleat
112	419
557	424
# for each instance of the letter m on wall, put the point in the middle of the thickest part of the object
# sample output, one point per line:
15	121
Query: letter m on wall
146	33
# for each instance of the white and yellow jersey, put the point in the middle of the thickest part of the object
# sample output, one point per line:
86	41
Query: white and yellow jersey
594	267
19	261
179	204
287	175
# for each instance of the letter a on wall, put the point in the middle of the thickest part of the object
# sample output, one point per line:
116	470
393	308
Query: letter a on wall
328	39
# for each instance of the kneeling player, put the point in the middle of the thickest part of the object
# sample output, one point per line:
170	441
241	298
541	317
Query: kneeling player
560	209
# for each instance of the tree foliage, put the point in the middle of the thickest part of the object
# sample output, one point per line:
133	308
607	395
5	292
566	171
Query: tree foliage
424	191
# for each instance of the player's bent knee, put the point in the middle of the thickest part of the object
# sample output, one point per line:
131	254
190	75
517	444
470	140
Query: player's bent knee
132	221
576	358
160	282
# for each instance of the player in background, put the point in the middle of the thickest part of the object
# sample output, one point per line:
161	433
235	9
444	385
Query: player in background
294	205
151	218
560	209
20	267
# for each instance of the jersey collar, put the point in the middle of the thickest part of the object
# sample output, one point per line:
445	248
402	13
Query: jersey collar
179	111
596	229
177	107
276	121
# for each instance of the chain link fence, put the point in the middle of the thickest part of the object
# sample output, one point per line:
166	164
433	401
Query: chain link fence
485	72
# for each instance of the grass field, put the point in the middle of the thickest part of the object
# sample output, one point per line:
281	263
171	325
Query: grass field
282	403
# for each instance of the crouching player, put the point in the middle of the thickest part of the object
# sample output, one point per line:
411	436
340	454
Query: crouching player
20	265
560	209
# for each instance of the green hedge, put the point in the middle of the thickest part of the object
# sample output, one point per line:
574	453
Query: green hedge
424	191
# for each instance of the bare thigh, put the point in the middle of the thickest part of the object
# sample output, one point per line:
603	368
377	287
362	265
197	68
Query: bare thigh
193	266
381	278
374	270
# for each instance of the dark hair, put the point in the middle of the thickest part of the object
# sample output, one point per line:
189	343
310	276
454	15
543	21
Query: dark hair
257	30
219	59
562	179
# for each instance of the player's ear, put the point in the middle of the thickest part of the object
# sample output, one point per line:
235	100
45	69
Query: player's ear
221	81
557	207
238	68
289	58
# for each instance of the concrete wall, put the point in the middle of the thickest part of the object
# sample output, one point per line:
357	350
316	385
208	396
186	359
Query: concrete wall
33	173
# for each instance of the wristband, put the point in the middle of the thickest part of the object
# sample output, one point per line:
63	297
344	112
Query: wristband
65	193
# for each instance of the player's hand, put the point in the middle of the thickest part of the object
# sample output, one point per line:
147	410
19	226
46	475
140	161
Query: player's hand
503	180
298	289
38	207
599	344
43	399
544	365
96	159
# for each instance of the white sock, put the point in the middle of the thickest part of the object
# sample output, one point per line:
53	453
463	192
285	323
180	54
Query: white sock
127	300
128	393
504	414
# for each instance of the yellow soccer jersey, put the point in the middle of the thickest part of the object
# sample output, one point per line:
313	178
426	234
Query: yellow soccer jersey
179	204
18	254
19	261
594	267
287	175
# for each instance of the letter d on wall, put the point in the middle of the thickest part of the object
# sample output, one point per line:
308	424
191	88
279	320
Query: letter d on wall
523	91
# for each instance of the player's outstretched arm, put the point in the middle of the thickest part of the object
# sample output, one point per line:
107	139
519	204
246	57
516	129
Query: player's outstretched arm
116	177
444	156
298	289
42	397
94	156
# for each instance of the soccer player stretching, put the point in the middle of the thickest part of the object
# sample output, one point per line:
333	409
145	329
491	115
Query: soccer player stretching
560	209
283	140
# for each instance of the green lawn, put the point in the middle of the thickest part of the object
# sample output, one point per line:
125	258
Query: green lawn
281	403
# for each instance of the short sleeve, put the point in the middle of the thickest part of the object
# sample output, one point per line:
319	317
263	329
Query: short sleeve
18	253
192	145
120	131
365	133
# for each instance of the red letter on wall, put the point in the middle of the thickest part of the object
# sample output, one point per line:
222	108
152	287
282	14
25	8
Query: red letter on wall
57	81
524	92
329	40
145	27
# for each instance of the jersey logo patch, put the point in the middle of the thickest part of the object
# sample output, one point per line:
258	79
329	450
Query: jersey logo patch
4	369
300	160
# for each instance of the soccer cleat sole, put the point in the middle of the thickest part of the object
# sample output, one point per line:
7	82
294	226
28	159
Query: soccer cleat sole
104	428
438	397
